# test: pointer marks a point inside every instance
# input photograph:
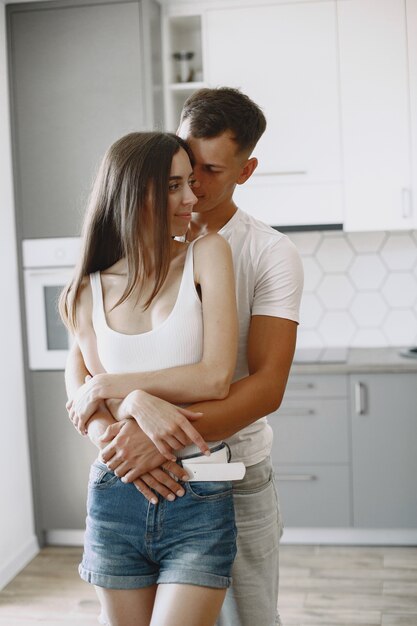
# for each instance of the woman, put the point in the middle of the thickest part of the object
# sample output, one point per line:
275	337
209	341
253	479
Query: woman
140	301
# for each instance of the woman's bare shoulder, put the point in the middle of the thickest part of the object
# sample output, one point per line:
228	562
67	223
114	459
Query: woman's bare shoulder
210	244
212	255
84	304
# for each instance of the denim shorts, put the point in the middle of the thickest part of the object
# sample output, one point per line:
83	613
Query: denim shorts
131	543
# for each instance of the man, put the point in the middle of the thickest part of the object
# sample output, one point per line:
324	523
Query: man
222	127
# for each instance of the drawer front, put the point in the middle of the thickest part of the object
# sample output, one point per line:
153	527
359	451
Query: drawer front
314	495
311	431
317	386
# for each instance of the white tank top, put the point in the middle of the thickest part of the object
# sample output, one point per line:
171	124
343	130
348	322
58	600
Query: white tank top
177	341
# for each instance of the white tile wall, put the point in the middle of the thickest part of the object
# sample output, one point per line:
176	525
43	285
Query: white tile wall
360	289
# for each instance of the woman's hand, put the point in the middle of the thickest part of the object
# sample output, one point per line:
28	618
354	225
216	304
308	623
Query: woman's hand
84	404
167	425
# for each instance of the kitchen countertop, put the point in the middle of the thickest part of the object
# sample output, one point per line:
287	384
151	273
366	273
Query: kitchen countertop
367	360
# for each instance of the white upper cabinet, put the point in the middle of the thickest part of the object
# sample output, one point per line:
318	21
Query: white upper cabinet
375	105
337	80
284	57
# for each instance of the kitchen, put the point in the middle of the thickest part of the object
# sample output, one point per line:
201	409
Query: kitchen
346	158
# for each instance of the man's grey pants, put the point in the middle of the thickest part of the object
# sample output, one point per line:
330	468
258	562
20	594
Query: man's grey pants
252	599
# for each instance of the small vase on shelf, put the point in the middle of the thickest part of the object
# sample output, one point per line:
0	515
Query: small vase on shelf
185	71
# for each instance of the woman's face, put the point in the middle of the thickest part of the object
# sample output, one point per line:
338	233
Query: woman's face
180	196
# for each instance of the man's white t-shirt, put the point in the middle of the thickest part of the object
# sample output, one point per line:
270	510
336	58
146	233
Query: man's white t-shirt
269	281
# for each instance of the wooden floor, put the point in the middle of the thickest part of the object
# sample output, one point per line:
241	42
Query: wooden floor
330	586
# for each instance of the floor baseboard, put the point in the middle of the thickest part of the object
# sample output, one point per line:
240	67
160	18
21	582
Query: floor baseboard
57	537
9	570
351	536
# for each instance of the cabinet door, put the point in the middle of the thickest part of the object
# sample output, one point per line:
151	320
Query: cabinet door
285	58
375	114
311	452
314	496
411	7
62	458
311	431
384	445
77	77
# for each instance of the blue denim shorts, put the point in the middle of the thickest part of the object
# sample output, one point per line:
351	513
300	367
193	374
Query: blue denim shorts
131	543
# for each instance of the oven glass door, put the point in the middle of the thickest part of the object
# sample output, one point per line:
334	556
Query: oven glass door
48	339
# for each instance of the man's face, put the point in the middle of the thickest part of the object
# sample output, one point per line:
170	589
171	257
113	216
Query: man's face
218	168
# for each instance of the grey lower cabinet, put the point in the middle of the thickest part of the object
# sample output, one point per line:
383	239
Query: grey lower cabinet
345	451
61	456
384	450
311	452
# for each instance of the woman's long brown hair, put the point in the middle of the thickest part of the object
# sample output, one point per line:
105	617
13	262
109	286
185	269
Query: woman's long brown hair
132	181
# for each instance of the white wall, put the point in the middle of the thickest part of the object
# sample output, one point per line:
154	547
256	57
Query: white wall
18	543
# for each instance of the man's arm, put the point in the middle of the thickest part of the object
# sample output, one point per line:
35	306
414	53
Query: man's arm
271	346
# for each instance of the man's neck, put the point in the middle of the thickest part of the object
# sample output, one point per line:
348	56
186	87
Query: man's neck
210	221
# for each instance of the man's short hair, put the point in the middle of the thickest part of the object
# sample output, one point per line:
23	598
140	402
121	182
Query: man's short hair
211	112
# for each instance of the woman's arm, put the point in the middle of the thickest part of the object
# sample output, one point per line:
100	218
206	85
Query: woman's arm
75	374
150	468
210	378
83	361
170	431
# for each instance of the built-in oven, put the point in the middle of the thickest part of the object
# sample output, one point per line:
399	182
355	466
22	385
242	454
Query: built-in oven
47	267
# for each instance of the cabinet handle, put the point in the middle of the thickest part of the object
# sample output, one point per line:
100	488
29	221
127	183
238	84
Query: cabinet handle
301	386
406	203
297	477
360	398
297	412
283	173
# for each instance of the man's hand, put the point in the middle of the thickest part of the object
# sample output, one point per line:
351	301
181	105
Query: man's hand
134	458
160	481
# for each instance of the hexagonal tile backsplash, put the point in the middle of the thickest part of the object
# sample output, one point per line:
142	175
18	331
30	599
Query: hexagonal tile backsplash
360	289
